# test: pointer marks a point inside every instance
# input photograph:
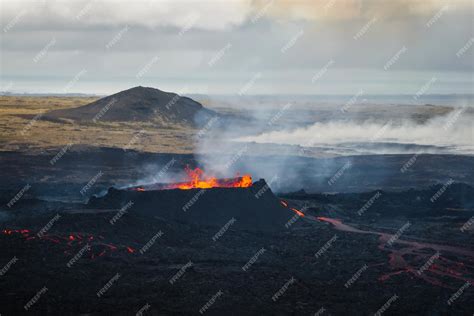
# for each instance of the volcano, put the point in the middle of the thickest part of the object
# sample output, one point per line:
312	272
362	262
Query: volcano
254	207
139	104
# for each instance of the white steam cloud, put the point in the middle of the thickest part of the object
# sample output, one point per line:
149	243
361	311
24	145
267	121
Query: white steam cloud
453	132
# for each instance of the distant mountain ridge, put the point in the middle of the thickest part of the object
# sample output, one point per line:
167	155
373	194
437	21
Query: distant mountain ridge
139	104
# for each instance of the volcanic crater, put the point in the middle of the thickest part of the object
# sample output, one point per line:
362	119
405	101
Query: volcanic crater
254	207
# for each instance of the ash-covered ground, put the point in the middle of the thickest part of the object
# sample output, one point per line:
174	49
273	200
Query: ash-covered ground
383	249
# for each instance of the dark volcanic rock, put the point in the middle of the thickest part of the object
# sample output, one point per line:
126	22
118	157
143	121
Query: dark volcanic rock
213	207
139	104
456	199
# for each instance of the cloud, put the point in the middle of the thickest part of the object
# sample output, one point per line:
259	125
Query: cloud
288	41
324	10
205	14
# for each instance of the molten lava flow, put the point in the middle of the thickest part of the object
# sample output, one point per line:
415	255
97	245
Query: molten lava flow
198	180
71	242
411	255
297	211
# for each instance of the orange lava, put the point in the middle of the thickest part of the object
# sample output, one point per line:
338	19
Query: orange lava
70	241
198	180
297	211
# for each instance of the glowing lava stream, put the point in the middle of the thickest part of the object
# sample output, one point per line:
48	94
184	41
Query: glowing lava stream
440	266
443	267
197	179
200	181
96	247
385	237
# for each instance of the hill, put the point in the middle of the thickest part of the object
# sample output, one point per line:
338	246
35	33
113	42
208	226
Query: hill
139	104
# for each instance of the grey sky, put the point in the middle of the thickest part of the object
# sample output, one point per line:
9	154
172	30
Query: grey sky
232	47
